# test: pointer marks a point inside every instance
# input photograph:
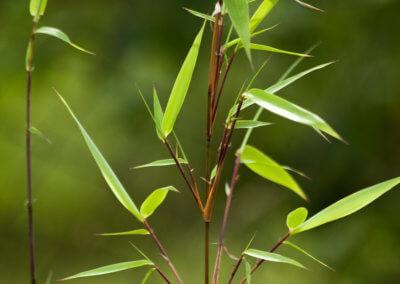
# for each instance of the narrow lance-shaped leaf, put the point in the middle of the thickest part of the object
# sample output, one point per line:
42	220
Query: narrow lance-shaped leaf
37	132
146	277
238	11
307	254
158	113
274	257
160	163
347	205
60	35
263	47
290	111
37	7
238	41
133	232
309	6
264	166
250	124
296	217
200	15
262	11
248	271
154	200
108	174
181	86
111	268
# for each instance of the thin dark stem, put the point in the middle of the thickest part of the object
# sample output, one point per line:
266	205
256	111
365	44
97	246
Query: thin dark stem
29	205
235	269
163	252
162	274
194	190
225	220
254	268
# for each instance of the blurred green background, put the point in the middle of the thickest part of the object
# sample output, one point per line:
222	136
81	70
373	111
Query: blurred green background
144	42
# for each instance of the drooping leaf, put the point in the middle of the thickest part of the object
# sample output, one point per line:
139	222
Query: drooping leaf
111	268
146	277
113	182
37	132
238	11
296	217
260	14
347	205
181	85
248	271
160	163
300	173
274	257
37	7
154	200
264	166
263	47
290	111
307	254
158	113
134	232
250	124
60	35
200	15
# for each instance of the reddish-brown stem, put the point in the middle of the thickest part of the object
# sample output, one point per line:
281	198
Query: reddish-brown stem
194	190
163	252
218	63
235	269
225	219
254	268
162	274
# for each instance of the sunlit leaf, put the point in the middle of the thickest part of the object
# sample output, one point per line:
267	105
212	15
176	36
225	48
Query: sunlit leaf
290	111
307	254
263	47
250	124
60	35
347	205
274	257
200	15
159	163
146	277
237	40
181	85
296	217
264	166
248	271
111	268
108	174
36	6
37	132
154	200
262	11
238	11
134	232
158	113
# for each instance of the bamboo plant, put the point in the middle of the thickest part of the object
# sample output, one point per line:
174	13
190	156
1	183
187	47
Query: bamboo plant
224	48
37	9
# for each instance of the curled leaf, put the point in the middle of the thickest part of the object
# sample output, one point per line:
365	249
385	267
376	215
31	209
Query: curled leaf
296	217
37	7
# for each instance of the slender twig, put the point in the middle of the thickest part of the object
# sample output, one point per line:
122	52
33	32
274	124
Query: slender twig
193	188
29	69
162	274
235	269
162	250
254	268
225	219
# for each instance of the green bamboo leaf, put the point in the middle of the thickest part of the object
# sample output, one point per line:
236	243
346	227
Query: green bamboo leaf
37	7
160	163
158	113
264	166
309	6
263	47
250	124
60	35
347	205
296	217
307	254
113	182
37	132
248	271
181	86
154	200
290	111
274	257
134	232
146	277
260	14
213	172
238	11
111	269
49	277
200	15
238	41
